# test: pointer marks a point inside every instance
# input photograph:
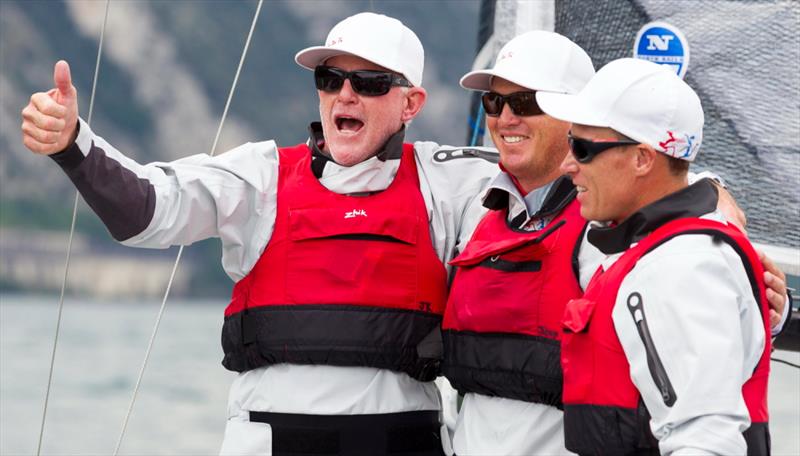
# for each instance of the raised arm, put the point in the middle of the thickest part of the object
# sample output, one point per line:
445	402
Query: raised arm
231	196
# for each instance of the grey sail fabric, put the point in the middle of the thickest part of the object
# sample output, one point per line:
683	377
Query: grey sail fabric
744	64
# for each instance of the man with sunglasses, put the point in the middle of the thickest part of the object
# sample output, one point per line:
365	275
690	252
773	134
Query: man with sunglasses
338	247
502	323
525	260
346	226
668	350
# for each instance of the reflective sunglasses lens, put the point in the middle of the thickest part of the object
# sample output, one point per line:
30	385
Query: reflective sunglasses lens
580	149
492	103
371	83
524	104
328	79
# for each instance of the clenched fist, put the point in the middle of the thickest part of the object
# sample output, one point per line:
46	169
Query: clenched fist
50	121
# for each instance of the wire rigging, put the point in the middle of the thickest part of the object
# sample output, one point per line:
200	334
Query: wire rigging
71	236
180	251
783	361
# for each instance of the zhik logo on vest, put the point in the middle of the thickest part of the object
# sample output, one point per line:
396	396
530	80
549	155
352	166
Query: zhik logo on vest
664	44
355	213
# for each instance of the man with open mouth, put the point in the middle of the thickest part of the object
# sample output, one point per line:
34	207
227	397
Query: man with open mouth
338	247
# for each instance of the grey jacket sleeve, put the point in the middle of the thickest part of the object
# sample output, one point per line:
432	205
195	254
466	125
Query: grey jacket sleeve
452	184
231	196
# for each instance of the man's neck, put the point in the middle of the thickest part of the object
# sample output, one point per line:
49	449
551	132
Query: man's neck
652	188
527	185
693	201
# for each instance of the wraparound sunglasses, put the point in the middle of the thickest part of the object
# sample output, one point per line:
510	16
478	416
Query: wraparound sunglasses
584	150
364	82
521	103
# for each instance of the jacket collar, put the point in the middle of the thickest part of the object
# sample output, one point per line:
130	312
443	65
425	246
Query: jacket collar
392	149
693	201
560	194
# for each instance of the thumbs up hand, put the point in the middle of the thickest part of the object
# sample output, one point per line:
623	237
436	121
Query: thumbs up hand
50	120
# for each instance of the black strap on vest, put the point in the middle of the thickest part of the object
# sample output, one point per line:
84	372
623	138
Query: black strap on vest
405	433
515	366
758	439
335	335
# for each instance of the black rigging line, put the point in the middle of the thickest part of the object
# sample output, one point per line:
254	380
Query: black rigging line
783	361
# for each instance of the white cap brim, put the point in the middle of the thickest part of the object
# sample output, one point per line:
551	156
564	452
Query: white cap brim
570	108
481	80
477	80
313	56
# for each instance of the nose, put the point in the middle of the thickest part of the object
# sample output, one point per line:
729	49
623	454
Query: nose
346	93
569	165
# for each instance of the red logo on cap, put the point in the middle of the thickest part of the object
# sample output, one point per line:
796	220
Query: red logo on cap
678	147
335	41
665	144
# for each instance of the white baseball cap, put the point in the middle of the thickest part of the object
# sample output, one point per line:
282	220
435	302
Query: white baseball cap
382	40
537	60
639	99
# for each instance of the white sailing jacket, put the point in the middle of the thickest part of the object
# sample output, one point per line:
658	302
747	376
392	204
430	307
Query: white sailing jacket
705	326
233	196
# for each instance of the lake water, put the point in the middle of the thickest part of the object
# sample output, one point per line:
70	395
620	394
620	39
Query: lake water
181	406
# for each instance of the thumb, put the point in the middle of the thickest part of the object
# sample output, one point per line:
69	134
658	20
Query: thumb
63	79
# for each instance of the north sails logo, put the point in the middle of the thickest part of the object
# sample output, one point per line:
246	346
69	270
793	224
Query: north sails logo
335	41
663	44
658	42
355	213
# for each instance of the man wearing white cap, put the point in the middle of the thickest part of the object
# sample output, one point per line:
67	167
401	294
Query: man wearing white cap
502	323
668	350
338	247
524	262
362	252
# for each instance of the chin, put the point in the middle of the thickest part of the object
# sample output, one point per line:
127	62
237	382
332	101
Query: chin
347	155
587	213
349	152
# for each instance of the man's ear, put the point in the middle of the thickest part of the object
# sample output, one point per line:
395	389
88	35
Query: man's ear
645	159
415	100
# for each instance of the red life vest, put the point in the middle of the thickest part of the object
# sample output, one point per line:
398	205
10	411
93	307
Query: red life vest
502	325
603	411
344	280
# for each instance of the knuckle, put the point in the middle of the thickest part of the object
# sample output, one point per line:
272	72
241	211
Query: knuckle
47	123
32	145
29	112
39	135
48	137
52	124
39	100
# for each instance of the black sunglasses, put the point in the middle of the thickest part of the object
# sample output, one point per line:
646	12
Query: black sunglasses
584	150
365	82
521	103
